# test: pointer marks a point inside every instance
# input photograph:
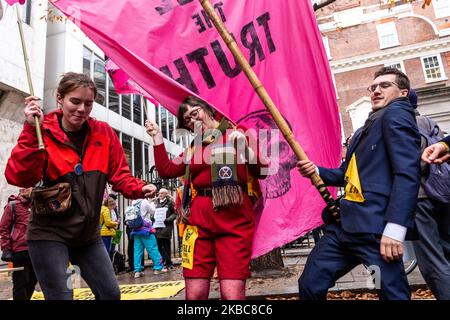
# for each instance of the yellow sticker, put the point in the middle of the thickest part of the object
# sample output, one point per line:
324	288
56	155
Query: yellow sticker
153	290
187	253
353	191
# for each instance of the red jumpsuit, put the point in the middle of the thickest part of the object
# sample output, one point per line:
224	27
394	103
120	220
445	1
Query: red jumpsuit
224	236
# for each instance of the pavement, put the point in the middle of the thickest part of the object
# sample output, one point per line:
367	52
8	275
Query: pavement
270	284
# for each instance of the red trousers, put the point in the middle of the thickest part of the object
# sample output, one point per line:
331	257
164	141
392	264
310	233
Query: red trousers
224	239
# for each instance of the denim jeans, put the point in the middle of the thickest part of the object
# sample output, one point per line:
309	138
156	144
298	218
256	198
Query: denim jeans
110	247
51	263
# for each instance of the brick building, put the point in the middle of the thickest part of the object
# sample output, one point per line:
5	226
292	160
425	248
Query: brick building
362	36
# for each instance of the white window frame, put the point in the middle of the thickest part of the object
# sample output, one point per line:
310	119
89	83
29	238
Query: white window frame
326	45
441	8
334	84
441	67
402	65
387	29
26	12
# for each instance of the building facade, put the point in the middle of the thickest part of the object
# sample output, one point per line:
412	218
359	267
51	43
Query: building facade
362	36
13	77
55	46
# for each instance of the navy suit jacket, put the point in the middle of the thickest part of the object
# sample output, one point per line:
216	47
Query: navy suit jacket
388	161
447	140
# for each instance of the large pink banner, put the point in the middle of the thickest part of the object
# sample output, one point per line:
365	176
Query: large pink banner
155	41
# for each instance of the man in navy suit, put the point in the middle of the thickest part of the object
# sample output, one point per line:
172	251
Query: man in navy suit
381	176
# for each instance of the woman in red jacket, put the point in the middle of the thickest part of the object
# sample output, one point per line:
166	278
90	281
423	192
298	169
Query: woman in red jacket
219	219
87	154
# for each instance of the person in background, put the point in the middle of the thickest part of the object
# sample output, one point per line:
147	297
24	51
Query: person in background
438	152
13	227
432	222
165	207
109	227
115	216
144	237
86	154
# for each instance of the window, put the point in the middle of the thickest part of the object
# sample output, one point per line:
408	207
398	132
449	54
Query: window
164	122
432	68
441	8
157	111
396	65
146	163
100	80
113	97
26	12
138	172
126	106
126	145
171	130
145	109
327	47
137	109
387	35
87	56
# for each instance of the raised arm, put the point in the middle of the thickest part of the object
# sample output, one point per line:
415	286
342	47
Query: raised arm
25	166
166	168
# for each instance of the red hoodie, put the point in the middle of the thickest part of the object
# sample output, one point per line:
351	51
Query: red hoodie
15	241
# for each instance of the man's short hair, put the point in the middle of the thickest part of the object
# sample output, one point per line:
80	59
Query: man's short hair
400	78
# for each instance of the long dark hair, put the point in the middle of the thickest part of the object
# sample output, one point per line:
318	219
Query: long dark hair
190	102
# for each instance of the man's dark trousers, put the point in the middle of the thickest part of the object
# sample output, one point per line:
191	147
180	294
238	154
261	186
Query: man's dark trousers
433	248
339	253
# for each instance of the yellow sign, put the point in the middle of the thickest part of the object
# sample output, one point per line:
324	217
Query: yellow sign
187	254
154	290
353	191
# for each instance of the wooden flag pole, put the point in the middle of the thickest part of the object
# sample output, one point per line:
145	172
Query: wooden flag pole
30	83
269	104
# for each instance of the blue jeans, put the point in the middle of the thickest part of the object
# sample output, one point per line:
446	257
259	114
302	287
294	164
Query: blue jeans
110	247
51	261
149	242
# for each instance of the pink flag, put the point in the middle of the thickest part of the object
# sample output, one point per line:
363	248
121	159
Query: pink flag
123	83
11	2
155	41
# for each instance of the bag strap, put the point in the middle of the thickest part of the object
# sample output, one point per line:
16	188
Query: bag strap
138	205
432	131
434	128
12	205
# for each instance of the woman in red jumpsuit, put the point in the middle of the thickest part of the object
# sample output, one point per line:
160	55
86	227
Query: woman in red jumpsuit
220	216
